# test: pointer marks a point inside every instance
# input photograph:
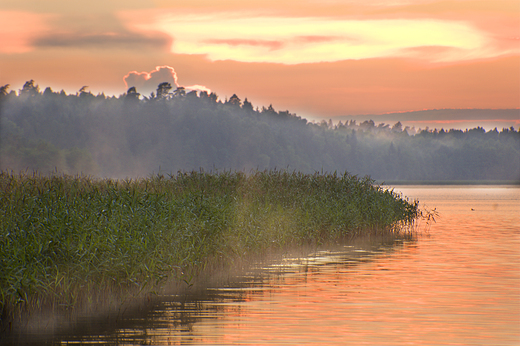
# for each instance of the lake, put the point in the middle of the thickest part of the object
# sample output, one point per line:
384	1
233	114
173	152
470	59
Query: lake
458	283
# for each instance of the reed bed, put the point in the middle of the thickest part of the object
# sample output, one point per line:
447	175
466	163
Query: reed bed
65	239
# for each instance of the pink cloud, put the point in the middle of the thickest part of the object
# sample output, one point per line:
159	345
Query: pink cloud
146	82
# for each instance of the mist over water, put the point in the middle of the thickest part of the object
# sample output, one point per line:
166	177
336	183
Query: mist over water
456	284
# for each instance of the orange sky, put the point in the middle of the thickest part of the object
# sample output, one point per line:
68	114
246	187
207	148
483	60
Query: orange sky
317	58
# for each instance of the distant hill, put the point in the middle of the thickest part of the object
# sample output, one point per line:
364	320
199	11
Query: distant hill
446	118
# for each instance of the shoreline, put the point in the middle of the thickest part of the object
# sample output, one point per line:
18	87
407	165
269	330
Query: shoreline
117	315
75	243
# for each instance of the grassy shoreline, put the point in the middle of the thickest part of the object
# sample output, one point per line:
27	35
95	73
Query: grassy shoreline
69	242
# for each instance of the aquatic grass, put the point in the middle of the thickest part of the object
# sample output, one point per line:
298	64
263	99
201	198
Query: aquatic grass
67	240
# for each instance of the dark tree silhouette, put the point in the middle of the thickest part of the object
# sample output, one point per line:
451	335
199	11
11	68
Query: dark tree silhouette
132	94
234	101
4	90
29	89
247	106
163	90
180	92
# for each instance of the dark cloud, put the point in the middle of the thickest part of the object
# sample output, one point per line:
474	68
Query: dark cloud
119	40
98	31
146	82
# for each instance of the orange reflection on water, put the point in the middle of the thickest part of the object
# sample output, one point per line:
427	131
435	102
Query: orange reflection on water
457	284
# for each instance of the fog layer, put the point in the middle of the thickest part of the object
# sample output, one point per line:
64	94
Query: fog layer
176	130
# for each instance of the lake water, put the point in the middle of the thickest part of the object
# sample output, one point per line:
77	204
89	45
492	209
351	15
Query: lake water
458	283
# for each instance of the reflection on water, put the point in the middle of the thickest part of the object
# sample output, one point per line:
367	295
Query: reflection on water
459	284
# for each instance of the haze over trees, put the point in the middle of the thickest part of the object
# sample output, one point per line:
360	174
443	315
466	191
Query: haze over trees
172	130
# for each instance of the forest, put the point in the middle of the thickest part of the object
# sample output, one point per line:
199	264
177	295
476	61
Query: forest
174	129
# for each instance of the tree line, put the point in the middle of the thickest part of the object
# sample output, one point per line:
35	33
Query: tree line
174	129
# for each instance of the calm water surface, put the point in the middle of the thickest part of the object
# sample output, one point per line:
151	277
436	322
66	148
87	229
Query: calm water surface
457	284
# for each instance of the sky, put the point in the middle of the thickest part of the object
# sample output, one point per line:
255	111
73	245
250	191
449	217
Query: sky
315	58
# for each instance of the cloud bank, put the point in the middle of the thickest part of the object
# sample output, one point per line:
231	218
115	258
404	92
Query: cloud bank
296	40
103	40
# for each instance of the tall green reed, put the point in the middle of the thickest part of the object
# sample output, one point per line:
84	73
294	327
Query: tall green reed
64	238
